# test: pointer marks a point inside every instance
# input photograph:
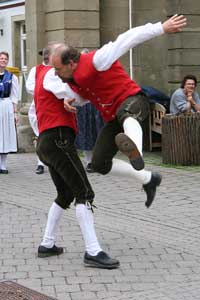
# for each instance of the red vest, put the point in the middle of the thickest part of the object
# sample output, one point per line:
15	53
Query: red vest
50	110
105	89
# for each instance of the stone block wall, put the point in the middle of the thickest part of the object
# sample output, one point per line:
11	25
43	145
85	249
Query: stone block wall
161	62
114	19
150	58
73	22
184	48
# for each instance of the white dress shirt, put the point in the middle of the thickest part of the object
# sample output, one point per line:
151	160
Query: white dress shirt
51	83
109	53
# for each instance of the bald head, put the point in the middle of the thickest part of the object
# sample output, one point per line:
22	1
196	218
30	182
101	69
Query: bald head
67	54
48	51
65	59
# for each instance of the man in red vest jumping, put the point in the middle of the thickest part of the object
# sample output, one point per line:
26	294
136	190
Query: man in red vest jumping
55	148
99	77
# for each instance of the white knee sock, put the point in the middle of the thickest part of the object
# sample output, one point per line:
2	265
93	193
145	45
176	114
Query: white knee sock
122	168
133	130
88	155
39	162
3	161
54	216
86	223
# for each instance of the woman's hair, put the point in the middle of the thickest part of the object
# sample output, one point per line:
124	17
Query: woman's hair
4	53
192	77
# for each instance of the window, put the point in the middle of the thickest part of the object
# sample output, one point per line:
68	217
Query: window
23	46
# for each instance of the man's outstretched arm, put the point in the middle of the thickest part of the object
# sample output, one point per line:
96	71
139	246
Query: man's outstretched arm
109	53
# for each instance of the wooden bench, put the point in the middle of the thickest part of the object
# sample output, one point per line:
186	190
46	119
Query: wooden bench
158	111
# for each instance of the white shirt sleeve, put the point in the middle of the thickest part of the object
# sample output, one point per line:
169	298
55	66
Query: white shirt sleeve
33	118
30	82
61	90
109	53
14	94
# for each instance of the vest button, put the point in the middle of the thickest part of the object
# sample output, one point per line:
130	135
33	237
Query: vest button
87	89
107	111
98	99
113	116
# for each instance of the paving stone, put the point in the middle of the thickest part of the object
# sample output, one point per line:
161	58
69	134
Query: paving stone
158	248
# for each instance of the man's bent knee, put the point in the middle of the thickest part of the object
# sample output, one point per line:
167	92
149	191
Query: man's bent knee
63	203
136	107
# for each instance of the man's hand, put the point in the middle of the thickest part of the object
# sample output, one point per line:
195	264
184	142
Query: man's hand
189	94
68	105
188	91
190	101
174	24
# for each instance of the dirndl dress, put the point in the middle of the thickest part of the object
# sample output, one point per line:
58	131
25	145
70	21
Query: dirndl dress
89	125
8	136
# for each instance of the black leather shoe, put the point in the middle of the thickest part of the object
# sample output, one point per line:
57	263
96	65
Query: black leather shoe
4	171
46	252
39	170
129	148
89	168
101	260
150	188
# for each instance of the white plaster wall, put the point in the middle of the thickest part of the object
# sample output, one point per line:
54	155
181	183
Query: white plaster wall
5	24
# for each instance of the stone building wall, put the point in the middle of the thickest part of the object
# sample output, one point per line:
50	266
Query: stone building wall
73	22
161	62
184	48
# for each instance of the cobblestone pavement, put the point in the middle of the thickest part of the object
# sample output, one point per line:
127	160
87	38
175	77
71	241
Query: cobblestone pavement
159	248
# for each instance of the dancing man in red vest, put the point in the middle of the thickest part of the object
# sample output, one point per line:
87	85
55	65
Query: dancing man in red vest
99	77
55	148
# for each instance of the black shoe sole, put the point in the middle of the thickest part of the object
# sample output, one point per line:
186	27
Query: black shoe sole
129	148
43	255
93	264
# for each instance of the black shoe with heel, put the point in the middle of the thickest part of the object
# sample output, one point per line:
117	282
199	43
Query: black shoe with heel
101	260
89	168
46	252
3	171
39	170
150	188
